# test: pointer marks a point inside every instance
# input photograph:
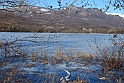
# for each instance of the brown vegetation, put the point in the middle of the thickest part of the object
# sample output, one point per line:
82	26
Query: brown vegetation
111	63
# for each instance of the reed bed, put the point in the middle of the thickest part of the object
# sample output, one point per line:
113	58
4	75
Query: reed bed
19	66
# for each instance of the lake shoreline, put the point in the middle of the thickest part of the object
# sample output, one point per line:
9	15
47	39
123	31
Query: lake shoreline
60	32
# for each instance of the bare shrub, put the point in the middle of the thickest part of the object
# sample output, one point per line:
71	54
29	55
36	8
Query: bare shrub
112	61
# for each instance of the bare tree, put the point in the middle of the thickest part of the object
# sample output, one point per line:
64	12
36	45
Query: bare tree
116	4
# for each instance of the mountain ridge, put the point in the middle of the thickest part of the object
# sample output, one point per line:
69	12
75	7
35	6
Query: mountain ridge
68	17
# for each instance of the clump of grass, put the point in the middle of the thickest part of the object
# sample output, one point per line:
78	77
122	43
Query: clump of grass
10	53
10	75
44	57
34	57
112	62
84	56
78	81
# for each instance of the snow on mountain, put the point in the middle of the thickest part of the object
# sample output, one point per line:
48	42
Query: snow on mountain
121	15
44	10
69	16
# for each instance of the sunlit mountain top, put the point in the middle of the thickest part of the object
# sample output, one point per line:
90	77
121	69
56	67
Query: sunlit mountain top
121	15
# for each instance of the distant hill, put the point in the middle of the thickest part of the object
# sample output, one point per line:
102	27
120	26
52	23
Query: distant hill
41	19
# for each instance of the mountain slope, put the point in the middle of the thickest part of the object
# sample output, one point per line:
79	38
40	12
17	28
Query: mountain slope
43	19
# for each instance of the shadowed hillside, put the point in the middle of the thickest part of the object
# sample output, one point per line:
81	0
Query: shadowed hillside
69	19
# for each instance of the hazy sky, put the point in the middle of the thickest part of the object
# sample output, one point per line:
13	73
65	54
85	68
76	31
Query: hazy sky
95	3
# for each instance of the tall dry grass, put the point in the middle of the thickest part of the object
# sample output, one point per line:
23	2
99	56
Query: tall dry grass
111	64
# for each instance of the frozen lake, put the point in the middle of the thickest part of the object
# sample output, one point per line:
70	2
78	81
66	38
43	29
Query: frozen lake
59	41
50	43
